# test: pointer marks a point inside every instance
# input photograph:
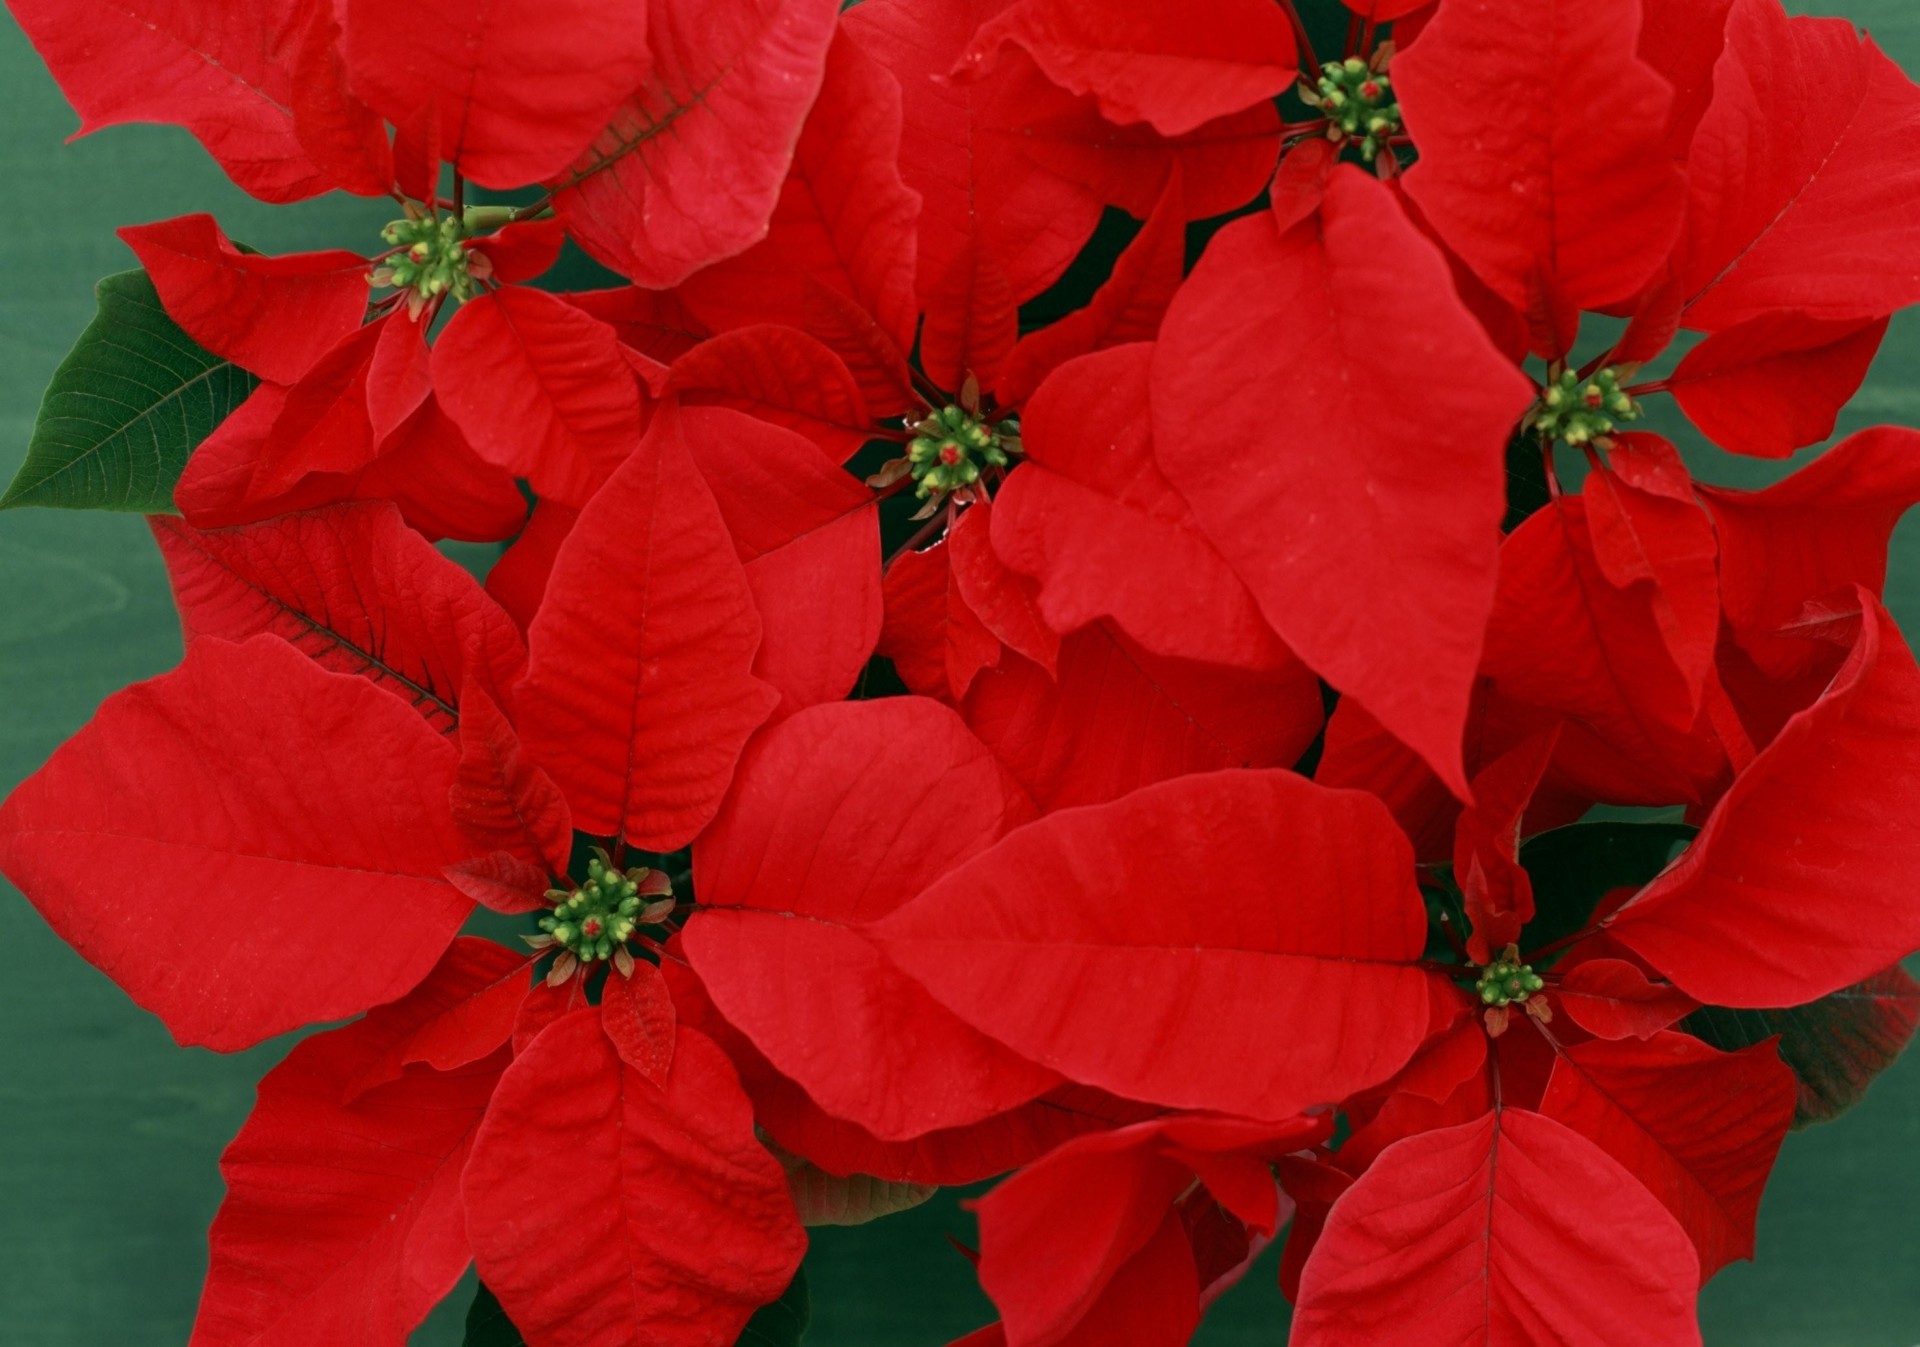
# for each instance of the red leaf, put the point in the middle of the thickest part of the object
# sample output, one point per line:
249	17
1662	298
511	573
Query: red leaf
1611	998
689	167
206	784
1554	218
518	581
1366	519
323	426
841	814
782	375
1486	847
1800	176
1651	537
540	388
935	639
1504	1231
518	86
522	249
1128	307
1800	881
986	205
1820	531
1057	735
503	882
1775	383
221	73
343	136
343	1221
275	316
464	1011
1698	1128
973	318
1165	912
1091	517
808	535
1565	641
656	323
1003	600
354	589
1159	61
399	375
501	801
638	697
1223	165
441	486
1683	39
637	1013
845	221
679	1226
1055	1237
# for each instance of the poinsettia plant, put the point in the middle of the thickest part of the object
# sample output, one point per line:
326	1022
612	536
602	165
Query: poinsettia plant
1066	618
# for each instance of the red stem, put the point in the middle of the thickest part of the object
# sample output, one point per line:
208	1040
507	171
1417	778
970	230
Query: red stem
1300	37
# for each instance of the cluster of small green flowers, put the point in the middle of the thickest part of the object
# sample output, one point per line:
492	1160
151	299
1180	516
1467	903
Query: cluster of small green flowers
431	258
1506	981
1581	410
951	446
596	920
1359	104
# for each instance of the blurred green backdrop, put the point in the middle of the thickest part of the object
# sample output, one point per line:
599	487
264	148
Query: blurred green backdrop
110	1135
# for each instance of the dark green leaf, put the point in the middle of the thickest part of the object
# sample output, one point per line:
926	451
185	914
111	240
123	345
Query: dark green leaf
1574	867
488	1325
1835	1046
784	1322
125	409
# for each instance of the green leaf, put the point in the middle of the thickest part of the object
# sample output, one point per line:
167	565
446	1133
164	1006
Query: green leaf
1574	867
125	409
1835	1046
488	1325
783	1323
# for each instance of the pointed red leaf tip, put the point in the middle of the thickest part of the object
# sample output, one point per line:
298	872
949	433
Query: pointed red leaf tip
1059	1234
1501	98
1055	733
1127	307
937	642
501	801
1775	383
461	1013
1486	846
675	1224
691	158
274	316
1611	998
840	815
540	388
214	72
357	591
1503	1232
1699	1128
638	698
173	843
1157	61
518	87
1365	520
636	1010
845	222
1802	175
1091	517
808	535
343	1220
502	881
1222	919
1801	881
1819	531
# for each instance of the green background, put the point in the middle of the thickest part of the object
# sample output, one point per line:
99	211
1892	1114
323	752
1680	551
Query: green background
110	1135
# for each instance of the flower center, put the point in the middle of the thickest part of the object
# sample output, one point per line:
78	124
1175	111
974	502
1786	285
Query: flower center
1580	410
951	446
1506	981
1359	104
596	921
431	257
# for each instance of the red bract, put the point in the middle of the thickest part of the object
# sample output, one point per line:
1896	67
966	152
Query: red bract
1264	657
